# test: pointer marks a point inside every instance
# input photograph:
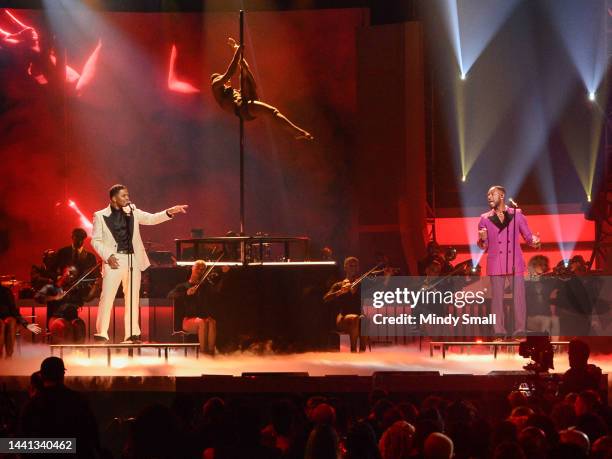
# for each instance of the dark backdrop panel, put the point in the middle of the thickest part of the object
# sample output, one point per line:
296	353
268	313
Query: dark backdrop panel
259	307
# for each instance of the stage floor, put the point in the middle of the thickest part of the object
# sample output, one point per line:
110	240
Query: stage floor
477	361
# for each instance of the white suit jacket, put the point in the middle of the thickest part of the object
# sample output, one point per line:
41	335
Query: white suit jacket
104	243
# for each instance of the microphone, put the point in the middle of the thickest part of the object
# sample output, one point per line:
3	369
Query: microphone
513	203
130	206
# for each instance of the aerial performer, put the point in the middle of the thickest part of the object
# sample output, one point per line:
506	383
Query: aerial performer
244	102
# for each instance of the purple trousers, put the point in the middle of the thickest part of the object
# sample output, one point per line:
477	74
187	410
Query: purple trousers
497	302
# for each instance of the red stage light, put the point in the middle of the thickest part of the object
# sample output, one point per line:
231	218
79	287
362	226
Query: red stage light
86	222
174	84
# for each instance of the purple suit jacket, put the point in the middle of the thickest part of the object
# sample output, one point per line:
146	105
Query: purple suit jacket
501	243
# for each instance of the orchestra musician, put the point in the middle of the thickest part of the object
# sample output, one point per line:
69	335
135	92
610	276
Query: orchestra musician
540	288
346	297
75	254
196	298
43	274
10	317
63	300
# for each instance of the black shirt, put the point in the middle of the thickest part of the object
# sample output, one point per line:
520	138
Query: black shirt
348	303
8	307
121	225
42	275
83	261
579	379
67	307
201	304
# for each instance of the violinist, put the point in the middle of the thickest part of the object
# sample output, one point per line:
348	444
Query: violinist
63	299
346	297
196	298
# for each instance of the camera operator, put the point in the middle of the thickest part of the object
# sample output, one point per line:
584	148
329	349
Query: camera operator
581	375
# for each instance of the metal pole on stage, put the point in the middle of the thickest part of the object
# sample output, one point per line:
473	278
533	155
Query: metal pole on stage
514	268
241	129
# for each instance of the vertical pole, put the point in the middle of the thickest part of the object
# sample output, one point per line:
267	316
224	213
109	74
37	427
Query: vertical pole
241	130
131	288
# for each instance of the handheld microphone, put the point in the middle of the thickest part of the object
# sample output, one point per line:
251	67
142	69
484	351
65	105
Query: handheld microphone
513	203
130	206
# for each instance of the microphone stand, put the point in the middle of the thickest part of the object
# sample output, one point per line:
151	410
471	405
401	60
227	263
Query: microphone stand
515	207
131	268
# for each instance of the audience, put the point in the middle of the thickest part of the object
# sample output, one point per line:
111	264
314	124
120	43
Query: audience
361	442
322	443
438	446
572	425
575	437
55	411
396	442
602	448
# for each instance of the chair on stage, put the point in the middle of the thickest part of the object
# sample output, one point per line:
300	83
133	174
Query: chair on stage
335	335
178	314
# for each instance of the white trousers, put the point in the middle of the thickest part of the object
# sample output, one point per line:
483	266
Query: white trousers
110	283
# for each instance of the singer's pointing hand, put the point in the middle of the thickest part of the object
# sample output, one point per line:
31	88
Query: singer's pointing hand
182	209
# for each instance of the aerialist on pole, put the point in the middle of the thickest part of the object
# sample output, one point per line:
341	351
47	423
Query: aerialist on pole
244	102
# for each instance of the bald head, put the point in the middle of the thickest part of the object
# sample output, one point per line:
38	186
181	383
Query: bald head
575	437
438	446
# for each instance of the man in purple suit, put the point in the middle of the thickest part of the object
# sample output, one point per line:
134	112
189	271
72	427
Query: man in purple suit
499	237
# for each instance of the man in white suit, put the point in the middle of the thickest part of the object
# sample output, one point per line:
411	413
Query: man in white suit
116	238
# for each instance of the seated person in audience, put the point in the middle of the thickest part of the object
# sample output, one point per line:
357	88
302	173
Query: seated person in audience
10	318
57	411
196	298
63	304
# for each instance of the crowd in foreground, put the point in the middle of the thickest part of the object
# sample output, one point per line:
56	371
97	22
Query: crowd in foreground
569	420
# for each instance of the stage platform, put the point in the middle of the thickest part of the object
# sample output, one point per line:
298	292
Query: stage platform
165	347
128	384
444	346
92	361
414	382
496	345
